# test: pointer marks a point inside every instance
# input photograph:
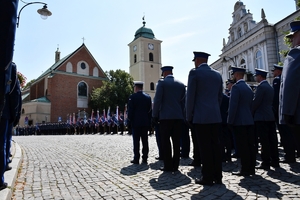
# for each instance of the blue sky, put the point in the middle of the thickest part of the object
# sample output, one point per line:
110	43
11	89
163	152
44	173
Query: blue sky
109	26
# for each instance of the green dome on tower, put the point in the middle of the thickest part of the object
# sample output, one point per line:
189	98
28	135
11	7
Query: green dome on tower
144	32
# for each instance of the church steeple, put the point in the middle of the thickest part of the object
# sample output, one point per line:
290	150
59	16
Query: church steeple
145	58
57	55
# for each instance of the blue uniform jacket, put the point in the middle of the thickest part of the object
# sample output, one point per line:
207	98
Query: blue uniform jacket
276	87
169	99
290	88
262	102
139	109
240	103
204	95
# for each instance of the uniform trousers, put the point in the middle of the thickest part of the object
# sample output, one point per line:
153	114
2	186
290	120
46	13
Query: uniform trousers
158	141
171	128
3	132
210	150
245	140
8	141
287	140
140	133
185	141
268	138
296	133
196	149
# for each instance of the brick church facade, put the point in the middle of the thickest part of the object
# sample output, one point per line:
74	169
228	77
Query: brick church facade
63	89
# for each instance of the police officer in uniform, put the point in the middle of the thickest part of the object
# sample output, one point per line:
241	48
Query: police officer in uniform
139	121
240	120
290	88
203	101
168	108
286	137
265	121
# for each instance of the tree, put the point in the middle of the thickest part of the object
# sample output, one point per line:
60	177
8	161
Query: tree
114	92
28	84
22	79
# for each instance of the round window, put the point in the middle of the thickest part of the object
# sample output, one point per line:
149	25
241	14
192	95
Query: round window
82	65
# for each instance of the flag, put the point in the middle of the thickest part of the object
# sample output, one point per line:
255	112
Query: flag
108	113
125	115
98	119
84	117
78	117
117	114
103	118
74	120
92	115
70	120
108	116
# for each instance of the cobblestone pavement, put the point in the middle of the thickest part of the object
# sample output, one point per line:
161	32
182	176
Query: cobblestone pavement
98	167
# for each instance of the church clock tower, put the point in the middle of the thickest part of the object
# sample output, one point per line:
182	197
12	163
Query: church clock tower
145	59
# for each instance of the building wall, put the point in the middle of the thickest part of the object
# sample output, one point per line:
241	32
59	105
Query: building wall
60	87
62	94
263	36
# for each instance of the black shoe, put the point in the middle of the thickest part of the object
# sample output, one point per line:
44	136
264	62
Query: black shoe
218	182
195	164
287	161
158	158
235	156
165	169
134	162
8	168
10	160
265	167
203	182
144	162
275	165
242	173
3	186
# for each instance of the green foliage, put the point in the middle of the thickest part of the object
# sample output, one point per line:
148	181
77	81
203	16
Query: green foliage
114	92
28	84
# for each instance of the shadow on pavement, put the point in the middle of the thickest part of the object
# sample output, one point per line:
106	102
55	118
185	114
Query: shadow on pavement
285	176
261	186
134	169
216	192
169	181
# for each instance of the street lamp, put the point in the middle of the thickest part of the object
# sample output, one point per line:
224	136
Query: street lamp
44	12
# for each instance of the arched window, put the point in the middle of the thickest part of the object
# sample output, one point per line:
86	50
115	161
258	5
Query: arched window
151	86
82	89
95	71
69	67
150	56
82	98
134	58
23	110
243	64
258	60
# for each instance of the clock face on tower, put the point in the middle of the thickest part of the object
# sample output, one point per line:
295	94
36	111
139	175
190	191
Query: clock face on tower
134	48
150	46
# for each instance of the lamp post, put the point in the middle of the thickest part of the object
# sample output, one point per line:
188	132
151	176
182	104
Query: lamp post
44	12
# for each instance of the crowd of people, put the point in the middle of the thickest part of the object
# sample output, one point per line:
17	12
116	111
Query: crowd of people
219	120
240	117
